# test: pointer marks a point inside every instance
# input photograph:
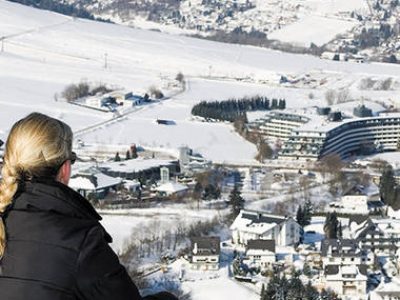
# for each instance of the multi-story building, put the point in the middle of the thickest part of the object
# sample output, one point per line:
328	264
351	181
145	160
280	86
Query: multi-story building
309	135
256	225
346	138
278	124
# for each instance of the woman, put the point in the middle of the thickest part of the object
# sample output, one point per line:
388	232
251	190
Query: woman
52	245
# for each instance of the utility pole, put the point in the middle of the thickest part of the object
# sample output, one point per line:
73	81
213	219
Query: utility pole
105	60
2	43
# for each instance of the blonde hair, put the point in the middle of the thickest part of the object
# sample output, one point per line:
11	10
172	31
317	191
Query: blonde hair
36	147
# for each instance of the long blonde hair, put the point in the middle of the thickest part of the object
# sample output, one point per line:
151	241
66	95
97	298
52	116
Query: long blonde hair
36	146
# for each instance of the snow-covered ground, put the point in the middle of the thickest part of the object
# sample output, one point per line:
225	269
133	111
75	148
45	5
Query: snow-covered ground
130	224
50	51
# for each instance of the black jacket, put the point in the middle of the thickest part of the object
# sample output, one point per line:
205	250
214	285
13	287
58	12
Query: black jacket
57	250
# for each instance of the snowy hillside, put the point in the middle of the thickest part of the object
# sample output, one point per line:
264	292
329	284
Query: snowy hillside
276	19
44	52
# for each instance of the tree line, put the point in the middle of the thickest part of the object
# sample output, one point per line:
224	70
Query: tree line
61	7
232	109
280	287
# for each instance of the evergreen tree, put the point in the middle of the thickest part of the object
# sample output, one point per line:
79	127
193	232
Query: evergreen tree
331	226
311	292
236	201
300	216
117	157
128	155
387	186
307	212
133	151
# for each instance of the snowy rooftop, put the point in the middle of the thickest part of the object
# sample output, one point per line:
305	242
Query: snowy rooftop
93	182
135	165
171	187
256	222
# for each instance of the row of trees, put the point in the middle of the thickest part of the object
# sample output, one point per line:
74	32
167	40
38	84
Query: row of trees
304	214
232	109
75	91
62	8
281	288
131	153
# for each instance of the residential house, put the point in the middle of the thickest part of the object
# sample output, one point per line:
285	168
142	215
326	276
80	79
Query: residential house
347	280
256	225
172	189
357	200
344	252
377	235
260	254
205	252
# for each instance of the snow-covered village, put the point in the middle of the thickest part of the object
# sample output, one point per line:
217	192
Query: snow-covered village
241	150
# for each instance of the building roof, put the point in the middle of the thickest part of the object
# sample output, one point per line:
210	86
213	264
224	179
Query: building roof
331	270
355	190
261	245
205	245
256	221
135	165
171	187
92	182
343	273
339	248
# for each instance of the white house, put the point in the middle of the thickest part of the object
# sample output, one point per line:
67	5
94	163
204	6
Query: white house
260	254
356	200
172	189
347	281
205	253
256	225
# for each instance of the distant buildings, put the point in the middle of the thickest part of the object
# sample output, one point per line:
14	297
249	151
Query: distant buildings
111	101
255	225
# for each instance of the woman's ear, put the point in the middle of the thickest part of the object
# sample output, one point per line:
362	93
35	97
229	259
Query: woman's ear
64	173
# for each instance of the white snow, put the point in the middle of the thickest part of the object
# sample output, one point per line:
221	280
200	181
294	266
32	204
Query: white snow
313	29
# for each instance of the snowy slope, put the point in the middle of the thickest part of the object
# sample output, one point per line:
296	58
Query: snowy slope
51	51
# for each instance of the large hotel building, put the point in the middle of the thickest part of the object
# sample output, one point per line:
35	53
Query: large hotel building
312	136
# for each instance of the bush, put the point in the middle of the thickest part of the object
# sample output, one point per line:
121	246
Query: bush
155	92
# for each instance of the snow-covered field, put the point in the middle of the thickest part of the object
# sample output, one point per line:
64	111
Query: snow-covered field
130	224
50	51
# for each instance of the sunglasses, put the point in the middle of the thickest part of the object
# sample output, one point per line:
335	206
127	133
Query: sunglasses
73	158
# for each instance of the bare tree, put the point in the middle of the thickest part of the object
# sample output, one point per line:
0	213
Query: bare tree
343	95
330	97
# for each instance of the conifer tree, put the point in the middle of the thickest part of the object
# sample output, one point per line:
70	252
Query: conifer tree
387	186
117	157
236	201
331	226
